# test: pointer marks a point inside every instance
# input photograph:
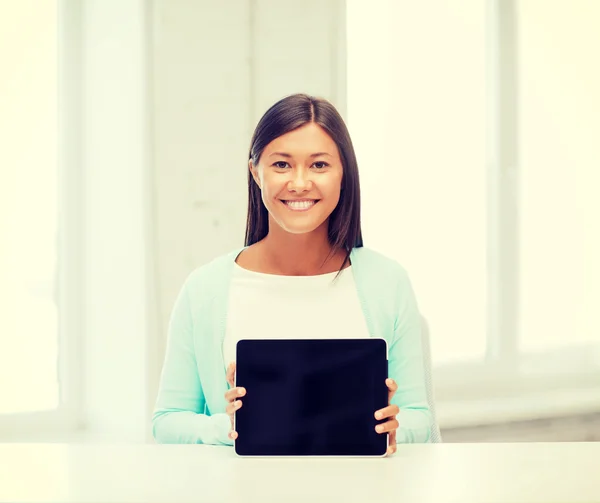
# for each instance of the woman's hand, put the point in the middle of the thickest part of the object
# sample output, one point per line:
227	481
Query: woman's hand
389	413
232	396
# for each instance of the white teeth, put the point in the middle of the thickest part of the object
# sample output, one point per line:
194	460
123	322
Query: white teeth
300	205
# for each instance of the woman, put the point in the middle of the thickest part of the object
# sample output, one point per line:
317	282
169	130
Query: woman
303	273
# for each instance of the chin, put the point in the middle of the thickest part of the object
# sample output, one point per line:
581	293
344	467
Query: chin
300	227
298	231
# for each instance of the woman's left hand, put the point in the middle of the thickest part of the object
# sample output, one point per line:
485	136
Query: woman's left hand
389	413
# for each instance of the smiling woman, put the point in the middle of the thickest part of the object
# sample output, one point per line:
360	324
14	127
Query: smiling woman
302	156
304	182
303	273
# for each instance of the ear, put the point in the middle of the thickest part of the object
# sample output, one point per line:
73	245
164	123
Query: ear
254	170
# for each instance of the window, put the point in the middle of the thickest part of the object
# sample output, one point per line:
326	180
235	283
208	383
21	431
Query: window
28	198
559	124
416	111
475	125
36	370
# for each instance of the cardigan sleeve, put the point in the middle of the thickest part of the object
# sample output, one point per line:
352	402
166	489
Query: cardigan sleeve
406	367
179	411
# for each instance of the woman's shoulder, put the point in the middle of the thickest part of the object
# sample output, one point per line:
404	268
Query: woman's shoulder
376	263
382	281
212	272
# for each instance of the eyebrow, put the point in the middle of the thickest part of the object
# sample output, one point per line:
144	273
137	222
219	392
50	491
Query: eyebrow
289	156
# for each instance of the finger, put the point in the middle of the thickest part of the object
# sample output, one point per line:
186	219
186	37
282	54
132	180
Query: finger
233	435
392	443
389	411
233	406
388	426
392	388
231	374
233	393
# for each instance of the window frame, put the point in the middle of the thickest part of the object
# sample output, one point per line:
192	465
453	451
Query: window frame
509	377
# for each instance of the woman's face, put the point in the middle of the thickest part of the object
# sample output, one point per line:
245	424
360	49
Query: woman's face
300	177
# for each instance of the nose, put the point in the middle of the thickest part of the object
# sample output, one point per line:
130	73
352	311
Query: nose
300	181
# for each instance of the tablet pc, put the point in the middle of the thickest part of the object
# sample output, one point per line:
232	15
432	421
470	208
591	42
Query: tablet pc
311	397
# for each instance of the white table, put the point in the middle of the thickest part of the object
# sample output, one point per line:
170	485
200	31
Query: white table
507	473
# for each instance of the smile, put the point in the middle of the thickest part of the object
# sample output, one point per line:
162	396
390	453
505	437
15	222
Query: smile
300	205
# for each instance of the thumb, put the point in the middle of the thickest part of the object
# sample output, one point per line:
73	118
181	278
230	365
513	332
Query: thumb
231	374
392	388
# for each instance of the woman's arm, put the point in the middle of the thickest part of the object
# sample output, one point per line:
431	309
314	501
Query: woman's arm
406	367
178	415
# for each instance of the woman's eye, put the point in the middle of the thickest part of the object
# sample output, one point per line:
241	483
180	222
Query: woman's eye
320	164
280	164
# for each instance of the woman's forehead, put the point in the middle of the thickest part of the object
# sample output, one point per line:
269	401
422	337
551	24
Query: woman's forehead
307	140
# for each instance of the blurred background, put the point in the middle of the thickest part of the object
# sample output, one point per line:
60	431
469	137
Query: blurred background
124	135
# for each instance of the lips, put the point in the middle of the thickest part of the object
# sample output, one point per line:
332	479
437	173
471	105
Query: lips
300	204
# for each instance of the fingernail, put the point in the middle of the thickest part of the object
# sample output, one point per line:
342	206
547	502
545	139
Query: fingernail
379	428
241	391
238	404
378	415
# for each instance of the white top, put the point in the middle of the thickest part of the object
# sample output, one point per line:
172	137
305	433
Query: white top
270	306
417	473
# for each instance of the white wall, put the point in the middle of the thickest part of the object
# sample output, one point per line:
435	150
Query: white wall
216	70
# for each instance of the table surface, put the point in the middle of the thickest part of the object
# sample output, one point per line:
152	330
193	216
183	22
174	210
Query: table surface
80	473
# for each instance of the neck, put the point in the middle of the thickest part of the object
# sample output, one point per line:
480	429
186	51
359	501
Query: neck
300	254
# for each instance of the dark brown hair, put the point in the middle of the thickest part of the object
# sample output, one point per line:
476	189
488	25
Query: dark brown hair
284	116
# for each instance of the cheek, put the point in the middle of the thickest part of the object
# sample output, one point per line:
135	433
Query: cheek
271	191
270	187
333	188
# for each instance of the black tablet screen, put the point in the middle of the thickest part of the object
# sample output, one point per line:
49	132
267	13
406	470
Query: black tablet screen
311	397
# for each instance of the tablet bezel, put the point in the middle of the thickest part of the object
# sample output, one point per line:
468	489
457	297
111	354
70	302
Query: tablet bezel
303	456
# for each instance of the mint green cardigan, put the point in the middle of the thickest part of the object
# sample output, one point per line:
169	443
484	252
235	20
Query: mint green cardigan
190	407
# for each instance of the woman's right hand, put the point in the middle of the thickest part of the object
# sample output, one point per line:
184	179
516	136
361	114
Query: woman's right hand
232	396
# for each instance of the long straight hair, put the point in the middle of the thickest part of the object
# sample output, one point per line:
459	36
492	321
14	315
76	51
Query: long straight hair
288	114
